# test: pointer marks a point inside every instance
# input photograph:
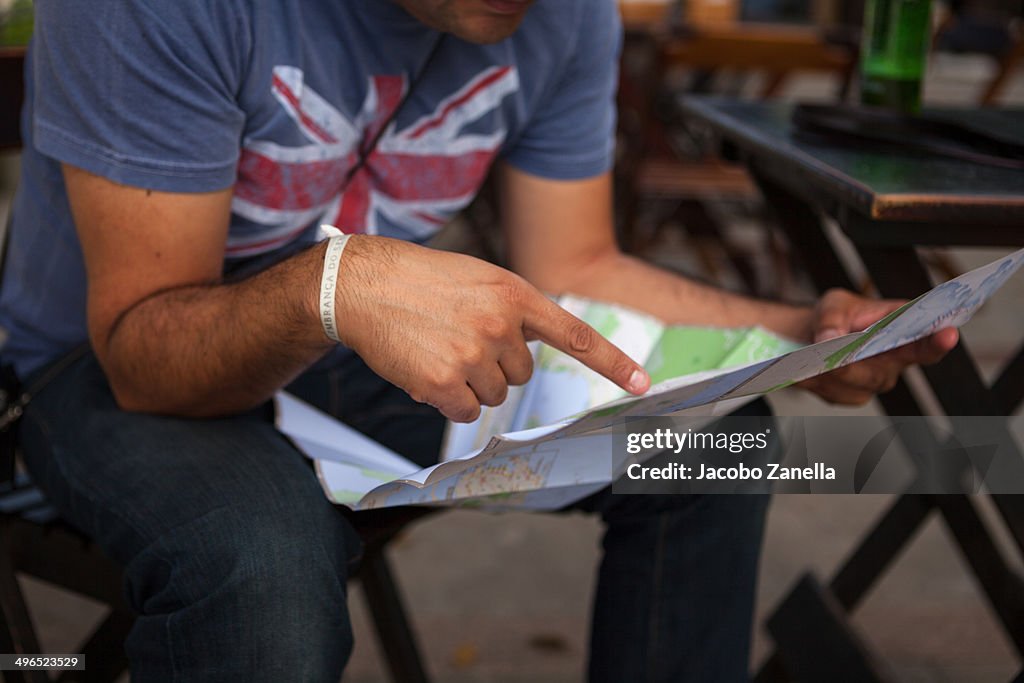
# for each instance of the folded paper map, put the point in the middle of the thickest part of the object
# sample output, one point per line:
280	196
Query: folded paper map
549	444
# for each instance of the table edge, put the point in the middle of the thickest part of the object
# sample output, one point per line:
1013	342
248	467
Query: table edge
877	206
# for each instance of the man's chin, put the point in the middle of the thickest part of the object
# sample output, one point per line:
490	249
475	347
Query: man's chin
488	29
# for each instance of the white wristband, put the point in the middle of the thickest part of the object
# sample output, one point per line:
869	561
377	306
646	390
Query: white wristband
329	284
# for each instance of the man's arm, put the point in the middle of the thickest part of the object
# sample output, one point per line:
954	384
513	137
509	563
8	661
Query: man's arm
170	336
173	338
561	239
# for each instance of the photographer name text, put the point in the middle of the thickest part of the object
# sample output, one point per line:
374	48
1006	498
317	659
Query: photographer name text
772	471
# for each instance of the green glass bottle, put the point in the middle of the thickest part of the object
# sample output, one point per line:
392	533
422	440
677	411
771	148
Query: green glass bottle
894	50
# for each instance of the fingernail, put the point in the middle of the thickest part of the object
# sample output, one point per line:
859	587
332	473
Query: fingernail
638	381
826	334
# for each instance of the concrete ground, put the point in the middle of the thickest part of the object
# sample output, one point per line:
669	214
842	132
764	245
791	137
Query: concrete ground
506	597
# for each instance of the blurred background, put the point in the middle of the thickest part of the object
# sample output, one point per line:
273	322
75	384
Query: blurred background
506	597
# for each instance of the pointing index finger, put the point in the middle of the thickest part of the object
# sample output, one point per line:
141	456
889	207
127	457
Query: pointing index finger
556	327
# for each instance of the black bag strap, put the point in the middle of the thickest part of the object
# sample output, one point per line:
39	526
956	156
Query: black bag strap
897	131
18	397
14	398
10	392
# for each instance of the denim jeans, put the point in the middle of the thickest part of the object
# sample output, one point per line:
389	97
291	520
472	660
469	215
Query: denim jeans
236	564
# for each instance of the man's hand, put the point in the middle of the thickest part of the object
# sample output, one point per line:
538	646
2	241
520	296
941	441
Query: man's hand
840	312
451	330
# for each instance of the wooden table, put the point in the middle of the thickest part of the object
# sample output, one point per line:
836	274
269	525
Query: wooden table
820	12
775	48
650	168
778	50
888	203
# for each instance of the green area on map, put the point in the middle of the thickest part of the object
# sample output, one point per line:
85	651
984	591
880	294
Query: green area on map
686	350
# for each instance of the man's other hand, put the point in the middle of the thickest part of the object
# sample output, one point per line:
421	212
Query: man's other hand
451	330
840	312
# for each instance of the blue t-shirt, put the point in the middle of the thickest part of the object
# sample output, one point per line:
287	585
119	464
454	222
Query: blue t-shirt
274	99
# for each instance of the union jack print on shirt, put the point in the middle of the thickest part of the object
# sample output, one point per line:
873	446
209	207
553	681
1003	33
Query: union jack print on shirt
417	177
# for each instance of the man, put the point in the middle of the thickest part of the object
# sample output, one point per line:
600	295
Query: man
179	158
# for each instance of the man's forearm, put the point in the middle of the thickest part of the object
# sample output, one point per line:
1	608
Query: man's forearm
620	278
216	349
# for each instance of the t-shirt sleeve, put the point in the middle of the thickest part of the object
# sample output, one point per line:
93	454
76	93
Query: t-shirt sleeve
571	135
142	92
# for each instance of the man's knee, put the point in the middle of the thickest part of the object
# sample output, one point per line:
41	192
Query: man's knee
265	581
262	551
